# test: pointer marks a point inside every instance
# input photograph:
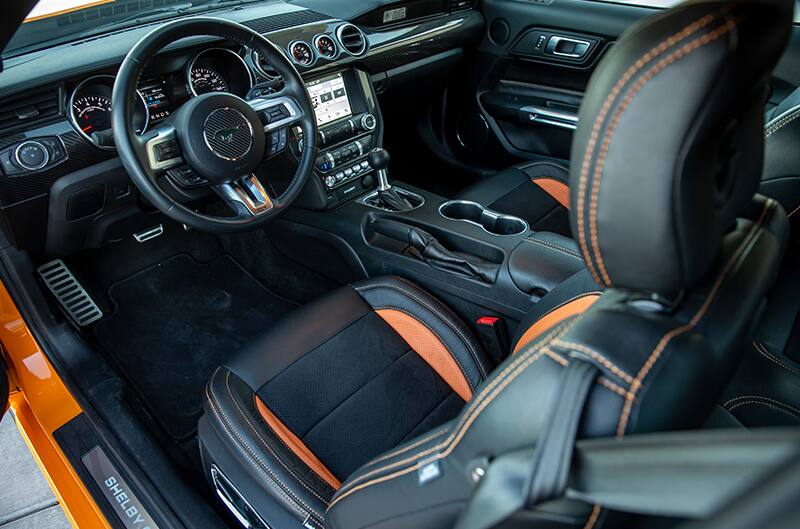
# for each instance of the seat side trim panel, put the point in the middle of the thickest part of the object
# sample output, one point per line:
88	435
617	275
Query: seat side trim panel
566	310
555	188
296	445
429	348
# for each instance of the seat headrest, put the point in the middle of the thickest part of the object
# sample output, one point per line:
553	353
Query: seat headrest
669	149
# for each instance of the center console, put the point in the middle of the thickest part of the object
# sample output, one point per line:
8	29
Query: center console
350	126
480	262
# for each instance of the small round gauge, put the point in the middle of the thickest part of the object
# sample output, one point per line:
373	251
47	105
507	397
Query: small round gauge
325	46
205	80
302	53
92	113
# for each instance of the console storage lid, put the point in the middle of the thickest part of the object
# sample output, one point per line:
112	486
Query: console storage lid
543	260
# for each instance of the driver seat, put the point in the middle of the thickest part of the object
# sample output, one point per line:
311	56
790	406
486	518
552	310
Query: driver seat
343	380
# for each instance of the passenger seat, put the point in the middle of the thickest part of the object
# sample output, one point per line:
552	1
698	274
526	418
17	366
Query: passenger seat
538	191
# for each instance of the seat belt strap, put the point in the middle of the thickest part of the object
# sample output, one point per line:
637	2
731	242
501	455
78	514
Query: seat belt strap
543	476
553	455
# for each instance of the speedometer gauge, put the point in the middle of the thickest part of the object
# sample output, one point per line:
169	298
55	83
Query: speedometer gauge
215	70
205	80
92	113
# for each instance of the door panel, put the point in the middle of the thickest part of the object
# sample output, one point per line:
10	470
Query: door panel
542	58
523	100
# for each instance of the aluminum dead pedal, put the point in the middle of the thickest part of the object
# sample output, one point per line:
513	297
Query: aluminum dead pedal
69	293
149	234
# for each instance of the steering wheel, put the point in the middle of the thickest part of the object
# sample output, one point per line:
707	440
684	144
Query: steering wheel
220	136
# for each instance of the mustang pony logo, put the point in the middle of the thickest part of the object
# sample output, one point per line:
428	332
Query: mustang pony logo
226	135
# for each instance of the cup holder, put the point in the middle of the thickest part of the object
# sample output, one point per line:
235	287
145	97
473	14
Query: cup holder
491	221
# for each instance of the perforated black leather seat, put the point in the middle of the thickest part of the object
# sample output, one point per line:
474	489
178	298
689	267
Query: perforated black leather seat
352	413
344	379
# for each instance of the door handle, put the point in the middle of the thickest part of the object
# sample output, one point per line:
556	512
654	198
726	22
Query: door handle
545	116
567	47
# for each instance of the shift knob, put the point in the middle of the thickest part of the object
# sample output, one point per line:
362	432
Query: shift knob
379	159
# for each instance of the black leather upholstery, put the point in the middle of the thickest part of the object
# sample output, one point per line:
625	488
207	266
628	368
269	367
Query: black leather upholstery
782	157
344	382
660	371
766	388
675	156
513	192
543	261
510	191
339	362
662	365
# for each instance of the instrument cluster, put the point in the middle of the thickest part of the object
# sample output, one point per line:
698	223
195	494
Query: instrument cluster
211	70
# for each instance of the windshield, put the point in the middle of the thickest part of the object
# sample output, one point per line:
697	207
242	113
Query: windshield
53	22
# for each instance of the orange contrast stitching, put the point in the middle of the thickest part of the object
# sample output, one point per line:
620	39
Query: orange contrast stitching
461	432
603	381
261	467
676	55
634	68
662	344
605	362
596	510
478	404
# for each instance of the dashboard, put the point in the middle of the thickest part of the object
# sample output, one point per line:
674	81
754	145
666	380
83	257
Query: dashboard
233	70
62	187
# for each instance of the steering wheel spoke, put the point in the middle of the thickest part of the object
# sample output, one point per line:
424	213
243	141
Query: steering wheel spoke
247	197
277	112
161	148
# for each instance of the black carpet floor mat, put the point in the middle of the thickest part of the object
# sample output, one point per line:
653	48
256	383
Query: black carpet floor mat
175	322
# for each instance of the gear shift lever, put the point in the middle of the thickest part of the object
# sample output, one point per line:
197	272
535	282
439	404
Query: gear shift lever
379	160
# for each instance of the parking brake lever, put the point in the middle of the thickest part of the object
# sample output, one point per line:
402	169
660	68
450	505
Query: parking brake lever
425	247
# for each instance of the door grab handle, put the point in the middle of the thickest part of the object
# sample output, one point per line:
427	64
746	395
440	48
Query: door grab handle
577	50
534	114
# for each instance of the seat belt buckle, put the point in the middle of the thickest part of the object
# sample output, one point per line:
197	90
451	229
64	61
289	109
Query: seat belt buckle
493	334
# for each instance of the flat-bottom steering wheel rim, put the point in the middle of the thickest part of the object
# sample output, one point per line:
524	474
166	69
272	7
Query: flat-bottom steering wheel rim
133	150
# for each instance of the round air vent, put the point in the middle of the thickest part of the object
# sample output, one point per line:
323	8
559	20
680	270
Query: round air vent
351	39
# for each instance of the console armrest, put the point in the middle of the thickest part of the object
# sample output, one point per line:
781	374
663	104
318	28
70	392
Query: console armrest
542	261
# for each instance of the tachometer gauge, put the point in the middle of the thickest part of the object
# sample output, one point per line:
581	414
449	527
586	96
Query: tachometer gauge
205	80
92	113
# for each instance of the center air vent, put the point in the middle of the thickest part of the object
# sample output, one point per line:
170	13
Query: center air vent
352	39
34	107
265	68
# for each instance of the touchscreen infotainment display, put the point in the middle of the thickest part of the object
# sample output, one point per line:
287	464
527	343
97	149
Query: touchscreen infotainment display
329	96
